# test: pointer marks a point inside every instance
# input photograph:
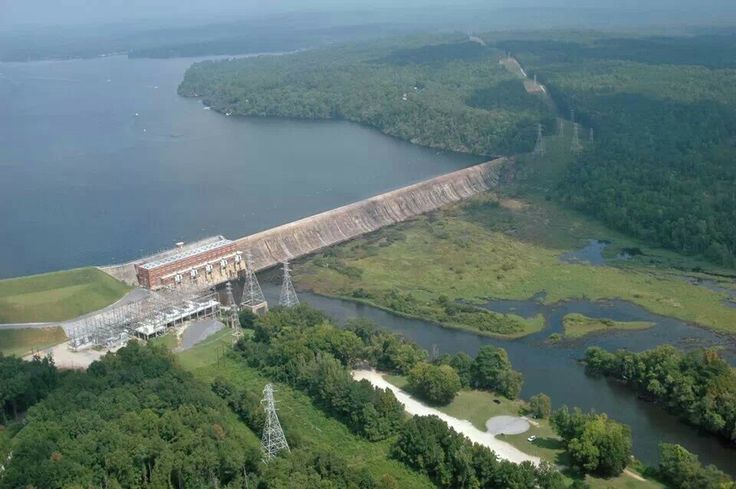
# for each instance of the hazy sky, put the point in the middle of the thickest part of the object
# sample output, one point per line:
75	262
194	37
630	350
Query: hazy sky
15	13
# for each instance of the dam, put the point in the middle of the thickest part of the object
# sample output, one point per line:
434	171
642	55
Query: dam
310	234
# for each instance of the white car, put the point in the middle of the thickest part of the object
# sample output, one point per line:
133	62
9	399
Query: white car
531	438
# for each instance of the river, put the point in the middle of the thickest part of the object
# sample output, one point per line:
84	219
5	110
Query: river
554	369
103	162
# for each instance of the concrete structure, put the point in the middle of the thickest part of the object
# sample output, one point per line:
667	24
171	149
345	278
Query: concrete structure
213	260
305	236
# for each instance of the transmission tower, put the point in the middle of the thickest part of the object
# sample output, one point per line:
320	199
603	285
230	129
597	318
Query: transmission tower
232	313
539	147
252	298
560	127
572	115
590	136
273	438
288	296
575	145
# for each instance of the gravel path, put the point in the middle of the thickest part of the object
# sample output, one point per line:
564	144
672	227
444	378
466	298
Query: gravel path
412	406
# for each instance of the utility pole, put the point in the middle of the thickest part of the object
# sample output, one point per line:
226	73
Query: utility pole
288	296
273	438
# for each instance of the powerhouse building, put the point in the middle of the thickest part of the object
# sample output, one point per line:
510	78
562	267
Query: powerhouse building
213	260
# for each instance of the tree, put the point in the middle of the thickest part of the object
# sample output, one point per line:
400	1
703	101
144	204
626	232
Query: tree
492	370
247	318
435	384
595	443
540	406
682	470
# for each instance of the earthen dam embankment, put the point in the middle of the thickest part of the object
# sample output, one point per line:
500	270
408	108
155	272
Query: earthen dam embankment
308	235
305	236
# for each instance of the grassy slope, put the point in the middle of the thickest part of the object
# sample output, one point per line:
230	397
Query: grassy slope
57	296
477	406
578	325
20	342
301	420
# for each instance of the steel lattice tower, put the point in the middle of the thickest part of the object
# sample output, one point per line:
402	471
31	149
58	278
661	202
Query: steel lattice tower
560	127
252	298
591	139
575	145
288	296
232	306
539	147
273	438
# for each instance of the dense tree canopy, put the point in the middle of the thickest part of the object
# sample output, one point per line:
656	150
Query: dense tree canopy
438	94
663	112
699	386
595	443
132	420
492	370
437	384
681	469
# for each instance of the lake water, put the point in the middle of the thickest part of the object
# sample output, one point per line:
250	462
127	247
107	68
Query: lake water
102	162
554	369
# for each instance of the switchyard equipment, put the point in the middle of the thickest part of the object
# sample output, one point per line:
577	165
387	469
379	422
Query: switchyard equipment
209	261
146	318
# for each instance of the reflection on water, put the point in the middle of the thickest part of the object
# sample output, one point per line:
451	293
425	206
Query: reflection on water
555	369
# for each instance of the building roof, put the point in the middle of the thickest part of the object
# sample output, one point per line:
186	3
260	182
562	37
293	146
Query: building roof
185	252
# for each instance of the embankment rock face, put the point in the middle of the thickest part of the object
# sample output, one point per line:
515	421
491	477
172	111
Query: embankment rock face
313	233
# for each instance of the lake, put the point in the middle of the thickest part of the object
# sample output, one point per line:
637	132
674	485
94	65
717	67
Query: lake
102	162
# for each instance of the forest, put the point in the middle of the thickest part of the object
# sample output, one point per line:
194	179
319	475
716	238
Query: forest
136	419
661	110
699	386
437	95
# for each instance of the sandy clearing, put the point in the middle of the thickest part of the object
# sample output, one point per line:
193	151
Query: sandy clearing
412	406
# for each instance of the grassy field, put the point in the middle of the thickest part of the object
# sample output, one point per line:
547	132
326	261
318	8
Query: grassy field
478	406
57	296
578	325
492	250
303	423
20	342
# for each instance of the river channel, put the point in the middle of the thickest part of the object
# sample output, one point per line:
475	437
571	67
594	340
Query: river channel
554	369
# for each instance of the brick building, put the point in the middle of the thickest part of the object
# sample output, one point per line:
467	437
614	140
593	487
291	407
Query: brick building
213	260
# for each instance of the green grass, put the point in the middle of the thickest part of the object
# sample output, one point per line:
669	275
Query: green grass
20	342
478	406
57	296
490	251
303	423
577	325
168	340
211	351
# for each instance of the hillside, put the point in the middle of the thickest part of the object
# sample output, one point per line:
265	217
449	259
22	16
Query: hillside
446	93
